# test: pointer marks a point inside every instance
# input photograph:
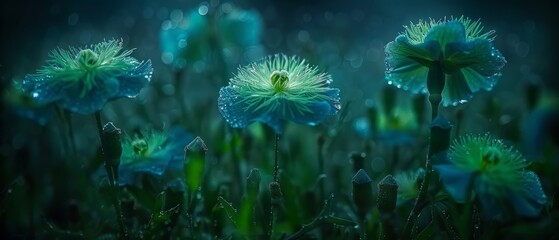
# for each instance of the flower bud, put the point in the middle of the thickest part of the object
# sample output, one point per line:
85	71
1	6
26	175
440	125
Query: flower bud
194	162
440	135
253	184
112	148
362	192
387	194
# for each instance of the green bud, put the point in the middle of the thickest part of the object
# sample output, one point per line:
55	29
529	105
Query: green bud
387	194
194	162
253	184
112	148
362	193
440	135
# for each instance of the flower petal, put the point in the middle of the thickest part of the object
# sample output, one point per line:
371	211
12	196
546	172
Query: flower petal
448	32
456	89
236	114
407	64
478	60
455	180
135	80
530	202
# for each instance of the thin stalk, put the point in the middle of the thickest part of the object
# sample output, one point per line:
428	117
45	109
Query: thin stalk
276	180
321	167
68	117
60	116
422	195
113	175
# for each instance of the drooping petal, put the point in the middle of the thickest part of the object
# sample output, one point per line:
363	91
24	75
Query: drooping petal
478	60
407	64
448	32
40	90
456	89
238	115
93	100
455	180
132	82
531	201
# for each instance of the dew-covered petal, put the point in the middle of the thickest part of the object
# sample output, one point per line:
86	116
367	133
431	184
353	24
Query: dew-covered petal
455	180
93	100
132	82
238	115
445	33
42	89
407	65
478	60
530	201
456	89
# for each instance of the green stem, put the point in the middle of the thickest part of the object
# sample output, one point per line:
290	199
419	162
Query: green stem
68	117
276	165
113	177
321	167
422	195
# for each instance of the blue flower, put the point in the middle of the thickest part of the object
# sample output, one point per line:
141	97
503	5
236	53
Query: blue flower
152	152
466	53
496	174
186	37
23	105
277	89
83	80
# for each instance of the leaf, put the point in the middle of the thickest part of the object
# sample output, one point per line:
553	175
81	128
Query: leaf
229	210
339	221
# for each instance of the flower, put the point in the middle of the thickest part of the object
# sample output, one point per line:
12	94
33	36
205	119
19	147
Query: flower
408	185
152	152
276	89
459	45
187	36
83	80
496	174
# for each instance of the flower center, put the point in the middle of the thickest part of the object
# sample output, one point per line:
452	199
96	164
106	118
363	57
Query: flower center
491	156
140	147
279	80
87	58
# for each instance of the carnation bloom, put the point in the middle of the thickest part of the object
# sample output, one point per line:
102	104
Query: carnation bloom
496	174
408	185
276	89
152	152
83	80
465	53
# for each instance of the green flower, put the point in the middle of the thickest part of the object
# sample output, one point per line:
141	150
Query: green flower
83	80
459	45
277	89
408	185
496	174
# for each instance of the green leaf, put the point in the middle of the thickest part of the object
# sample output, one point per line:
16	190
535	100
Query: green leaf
229	210
339	221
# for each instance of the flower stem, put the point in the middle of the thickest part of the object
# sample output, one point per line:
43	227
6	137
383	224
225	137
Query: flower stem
68	117
276	165
112	173
435	100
